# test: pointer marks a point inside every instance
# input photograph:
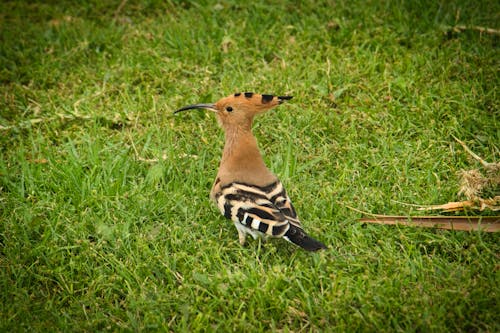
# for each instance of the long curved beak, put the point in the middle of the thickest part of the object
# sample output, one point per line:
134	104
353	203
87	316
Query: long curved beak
210	107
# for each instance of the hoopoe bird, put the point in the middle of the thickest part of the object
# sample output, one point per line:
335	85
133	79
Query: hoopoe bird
244	190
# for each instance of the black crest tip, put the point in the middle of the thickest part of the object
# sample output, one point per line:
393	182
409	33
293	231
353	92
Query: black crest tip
267	98
281	99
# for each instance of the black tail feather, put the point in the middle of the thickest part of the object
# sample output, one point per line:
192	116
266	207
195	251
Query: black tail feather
298	237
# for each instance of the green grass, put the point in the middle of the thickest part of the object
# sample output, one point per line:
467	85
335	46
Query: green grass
95	238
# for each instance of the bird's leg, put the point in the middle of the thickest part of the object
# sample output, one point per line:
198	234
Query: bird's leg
241	233
241	236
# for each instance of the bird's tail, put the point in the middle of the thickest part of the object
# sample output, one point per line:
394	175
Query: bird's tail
298	237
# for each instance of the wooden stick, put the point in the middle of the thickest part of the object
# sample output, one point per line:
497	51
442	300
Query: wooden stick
465	223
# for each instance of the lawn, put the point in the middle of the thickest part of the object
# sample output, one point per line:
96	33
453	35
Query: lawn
105	221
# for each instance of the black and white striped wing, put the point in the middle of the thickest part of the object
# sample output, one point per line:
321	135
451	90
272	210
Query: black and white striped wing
277	195
295	234
264	210
250	206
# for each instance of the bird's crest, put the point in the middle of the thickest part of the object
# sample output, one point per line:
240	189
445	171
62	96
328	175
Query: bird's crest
249	100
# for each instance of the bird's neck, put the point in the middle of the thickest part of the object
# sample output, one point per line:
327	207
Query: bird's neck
241	159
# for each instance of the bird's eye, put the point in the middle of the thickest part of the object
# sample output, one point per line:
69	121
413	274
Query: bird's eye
229	109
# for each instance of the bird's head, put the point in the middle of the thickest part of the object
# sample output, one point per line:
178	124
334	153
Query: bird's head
240	108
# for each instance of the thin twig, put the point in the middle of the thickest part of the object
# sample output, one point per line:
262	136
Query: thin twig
490	31
119	8
136	153
142	159
77	103
408	204
478	203
360	211
467	149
